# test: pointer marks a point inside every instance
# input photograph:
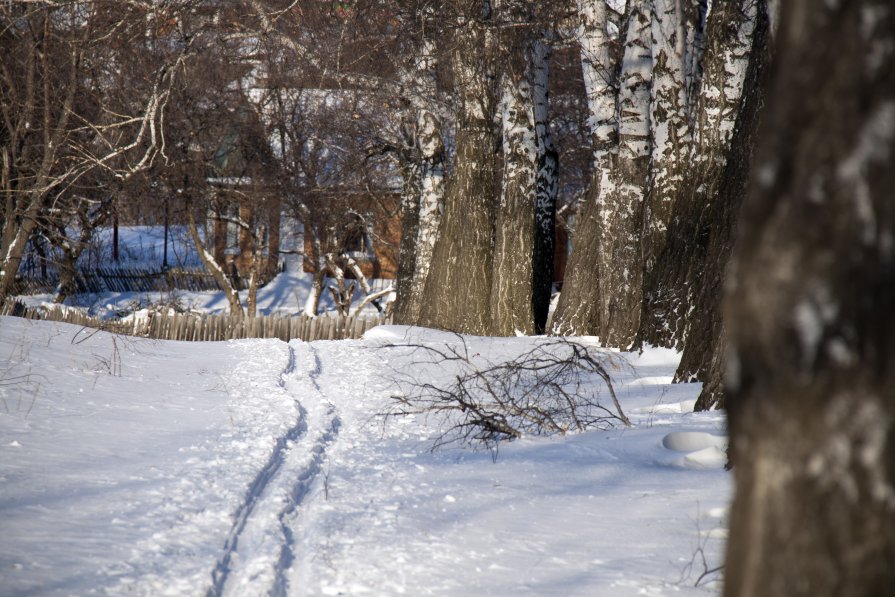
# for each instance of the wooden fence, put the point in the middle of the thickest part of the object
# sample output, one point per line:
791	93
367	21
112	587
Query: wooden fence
195	328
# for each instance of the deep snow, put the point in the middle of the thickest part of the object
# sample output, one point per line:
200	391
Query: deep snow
254	467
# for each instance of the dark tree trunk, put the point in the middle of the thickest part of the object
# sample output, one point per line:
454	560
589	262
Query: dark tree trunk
670	285
458	288
704	349
547	190
404	311
811	317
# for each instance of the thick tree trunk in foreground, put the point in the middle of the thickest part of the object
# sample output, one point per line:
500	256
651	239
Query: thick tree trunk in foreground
811	317
458	288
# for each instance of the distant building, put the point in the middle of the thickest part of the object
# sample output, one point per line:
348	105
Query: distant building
360	225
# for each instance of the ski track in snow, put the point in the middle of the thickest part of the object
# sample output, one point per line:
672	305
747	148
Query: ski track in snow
261	547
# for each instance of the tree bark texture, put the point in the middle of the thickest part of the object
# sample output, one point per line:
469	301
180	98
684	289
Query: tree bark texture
458	287
431	203
608	268
670	286
704	350
423	192
406	307
515	230
811	317
547	190
578	309
669	120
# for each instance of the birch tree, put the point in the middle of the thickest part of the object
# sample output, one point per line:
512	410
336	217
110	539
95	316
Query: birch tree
672	283
811	317
578	311
602	290
620	268
458	287
547	186
704	350
516	226
422	169
673	29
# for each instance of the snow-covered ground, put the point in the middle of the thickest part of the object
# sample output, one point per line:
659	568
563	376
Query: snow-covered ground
257	467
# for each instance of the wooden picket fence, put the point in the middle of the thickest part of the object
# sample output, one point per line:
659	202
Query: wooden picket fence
208	328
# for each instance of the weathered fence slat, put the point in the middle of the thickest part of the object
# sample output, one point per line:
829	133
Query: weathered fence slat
196	327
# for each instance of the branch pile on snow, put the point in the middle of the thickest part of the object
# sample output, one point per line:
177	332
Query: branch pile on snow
556	387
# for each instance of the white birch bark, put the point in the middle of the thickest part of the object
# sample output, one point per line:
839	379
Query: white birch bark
312	302
511	289
577	311
669	121
547	187
622	196
423	173
722	82
431	202
599	73
214	268
679	267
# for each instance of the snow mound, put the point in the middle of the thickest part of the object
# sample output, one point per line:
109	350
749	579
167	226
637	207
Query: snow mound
711	457
409	333
685	406
705	450
689	441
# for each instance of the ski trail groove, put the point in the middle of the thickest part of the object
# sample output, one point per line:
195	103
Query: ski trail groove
256	488
262	545
304	483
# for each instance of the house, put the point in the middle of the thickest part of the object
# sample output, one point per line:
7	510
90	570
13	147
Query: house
361	225
240	215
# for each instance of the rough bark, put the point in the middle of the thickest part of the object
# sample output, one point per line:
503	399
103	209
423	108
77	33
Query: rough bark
621	258
673	35
547	190
811	317
602	288
672	283
458	287
515	230
578	310
406	306
705	347
423	192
